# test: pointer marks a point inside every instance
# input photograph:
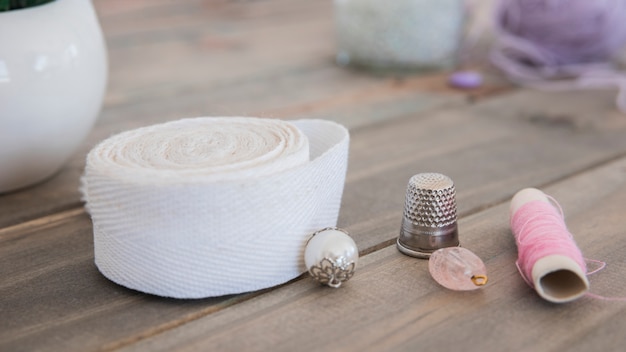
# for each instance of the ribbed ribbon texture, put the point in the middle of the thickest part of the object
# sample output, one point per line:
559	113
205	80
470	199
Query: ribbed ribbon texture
215	205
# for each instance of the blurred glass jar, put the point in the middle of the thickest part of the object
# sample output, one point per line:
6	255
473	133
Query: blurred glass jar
53	73
399	34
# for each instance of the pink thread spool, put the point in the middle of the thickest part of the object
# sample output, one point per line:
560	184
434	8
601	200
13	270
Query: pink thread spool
548	258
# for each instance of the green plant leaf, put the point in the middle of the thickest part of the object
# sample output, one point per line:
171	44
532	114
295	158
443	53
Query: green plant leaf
8	5
4	5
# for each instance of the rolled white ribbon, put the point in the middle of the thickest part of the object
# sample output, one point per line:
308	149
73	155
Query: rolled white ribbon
212	206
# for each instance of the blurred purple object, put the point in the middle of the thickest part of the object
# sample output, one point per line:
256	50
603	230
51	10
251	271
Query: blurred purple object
550	33
465	79
561	44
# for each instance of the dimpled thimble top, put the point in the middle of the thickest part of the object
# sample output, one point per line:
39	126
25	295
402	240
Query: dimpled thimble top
430	200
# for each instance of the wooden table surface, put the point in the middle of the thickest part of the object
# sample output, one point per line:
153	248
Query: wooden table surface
274	58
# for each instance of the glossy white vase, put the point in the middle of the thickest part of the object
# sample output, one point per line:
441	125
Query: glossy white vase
53	73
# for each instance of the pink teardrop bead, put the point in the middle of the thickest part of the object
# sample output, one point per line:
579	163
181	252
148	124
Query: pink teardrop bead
457	268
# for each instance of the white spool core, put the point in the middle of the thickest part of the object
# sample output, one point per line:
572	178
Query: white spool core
559	279
556	278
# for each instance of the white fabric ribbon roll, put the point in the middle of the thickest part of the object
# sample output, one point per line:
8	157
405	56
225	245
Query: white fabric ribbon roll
212	206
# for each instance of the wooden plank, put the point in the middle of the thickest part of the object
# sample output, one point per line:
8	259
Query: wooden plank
490	150
51	290
53	296
157	81
161	68
393	304
128	17
206	46
279	35
330	93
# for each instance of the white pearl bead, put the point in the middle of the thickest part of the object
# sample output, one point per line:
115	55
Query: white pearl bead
331	256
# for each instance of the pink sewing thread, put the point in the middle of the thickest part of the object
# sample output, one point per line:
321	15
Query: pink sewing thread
539	231
561	44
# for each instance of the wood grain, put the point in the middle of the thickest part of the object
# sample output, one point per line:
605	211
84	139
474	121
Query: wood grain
53	289
161	68
490	150
274	58
393	304
370	103
53	297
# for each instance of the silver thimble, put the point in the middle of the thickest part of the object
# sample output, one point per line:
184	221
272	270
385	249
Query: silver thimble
429	221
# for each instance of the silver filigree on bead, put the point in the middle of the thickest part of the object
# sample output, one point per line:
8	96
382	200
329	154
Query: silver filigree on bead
332	274
331	256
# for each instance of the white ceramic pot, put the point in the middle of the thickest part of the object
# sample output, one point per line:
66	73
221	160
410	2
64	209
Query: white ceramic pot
53	73
399	34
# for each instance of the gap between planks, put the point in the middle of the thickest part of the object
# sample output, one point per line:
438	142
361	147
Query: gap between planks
52	220
188	318
59	217
404	85
370	250
41	222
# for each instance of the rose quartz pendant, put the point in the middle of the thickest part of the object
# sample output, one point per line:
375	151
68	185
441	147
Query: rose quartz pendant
457	268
